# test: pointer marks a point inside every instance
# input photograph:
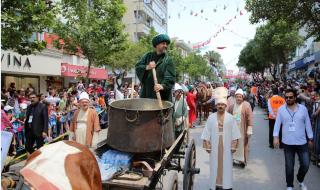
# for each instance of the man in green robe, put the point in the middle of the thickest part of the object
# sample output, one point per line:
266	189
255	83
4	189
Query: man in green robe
165	70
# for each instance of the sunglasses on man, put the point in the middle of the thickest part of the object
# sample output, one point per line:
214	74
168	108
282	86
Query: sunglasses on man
289	97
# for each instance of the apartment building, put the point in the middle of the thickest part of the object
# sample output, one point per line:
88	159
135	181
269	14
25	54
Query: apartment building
141	15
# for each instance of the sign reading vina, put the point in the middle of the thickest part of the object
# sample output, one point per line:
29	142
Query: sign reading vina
16	60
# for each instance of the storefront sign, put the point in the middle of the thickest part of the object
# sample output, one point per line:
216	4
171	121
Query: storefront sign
299	64
76	70
291	66
17	61
45	64
309	59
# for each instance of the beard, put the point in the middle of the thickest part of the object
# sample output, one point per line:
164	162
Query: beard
290	103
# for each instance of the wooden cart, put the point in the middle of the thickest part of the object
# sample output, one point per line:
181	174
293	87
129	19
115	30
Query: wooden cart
170	165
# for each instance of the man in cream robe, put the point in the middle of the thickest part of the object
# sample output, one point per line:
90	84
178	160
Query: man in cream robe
180	114
242	112
220	137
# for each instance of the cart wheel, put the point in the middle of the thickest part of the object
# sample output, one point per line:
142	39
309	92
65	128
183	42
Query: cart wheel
171	181
189	166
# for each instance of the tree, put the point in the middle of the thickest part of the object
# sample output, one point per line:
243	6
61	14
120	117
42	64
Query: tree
214	58
21	20
272	45
125	60
177	60
196	66
91	28
275	43
304	12
250	60
146	40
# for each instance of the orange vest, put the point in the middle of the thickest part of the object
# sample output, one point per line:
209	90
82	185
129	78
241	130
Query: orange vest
254	90
275	103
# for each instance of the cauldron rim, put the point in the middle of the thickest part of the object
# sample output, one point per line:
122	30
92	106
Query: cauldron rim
170	105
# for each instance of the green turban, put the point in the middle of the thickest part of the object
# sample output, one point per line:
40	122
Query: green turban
159	39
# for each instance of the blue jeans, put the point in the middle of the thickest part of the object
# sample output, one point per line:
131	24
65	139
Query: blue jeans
304	160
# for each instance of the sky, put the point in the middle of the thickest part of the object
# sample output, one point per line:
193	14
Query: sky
212	15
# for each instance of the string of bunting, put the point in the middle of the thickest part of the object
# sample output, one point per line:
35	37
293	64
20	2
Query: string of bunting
200	15
205	43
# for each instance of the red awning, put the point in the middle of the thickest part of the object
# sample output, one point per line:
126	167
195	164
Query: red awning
69	70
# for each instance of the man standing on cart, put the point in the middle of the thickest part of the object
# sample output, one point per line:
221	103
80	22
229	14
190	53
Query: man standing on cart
165	69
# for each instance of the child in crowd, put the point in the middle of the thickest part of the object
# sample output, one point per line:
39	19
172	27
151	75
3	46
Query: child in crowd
61	118
52	122
17	125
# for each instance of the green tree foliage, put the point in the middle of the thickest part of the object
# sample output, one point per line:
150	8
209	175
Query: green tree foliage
126	59
214	58
146	41
272	45
21	20
216	61
178	60
92	28
304	12
250	59
276	42
196	66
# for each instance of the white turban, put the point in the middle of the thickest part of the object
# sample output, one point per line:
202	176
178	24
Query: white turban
84	95
220	95
239	91
221	101
177	87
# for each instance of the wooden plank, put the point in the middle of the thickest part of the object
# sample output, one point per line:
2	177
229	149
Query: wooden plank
128	183
169	152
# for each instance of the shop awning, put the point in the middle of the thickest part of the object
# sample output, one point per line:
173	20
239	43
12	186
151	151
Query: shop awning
70	70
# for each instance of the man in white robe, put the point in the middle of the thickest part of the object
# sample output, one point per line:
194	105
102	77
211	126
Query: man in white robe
220	137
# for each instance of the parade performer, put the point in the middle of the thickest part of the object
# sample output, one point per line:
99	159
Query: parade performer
85	122
242	112
231	100
274	103
220	139
165	70
180	110
191	100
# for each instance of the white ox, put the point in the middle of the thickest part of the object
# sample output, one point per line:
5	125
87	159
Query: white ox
64	165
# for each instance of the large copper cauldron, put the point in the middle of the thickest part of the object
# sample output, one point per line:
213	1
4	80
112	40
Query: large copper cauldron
140	125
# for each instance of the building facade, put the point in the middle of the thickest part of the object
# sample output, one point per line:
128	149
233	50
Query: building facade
141	15
306	56
48	68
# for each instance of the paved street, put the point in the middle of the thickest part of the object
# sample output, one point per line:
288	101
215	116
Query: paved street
265	170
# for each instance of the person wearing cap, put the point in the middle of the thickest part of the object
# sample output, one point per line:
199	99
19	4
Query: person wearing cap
220	139
36	123
85	122
165	69
242	112
180	110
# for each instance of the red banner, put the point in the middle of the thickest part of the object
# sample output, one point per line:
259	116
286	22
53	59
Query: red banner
69	70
